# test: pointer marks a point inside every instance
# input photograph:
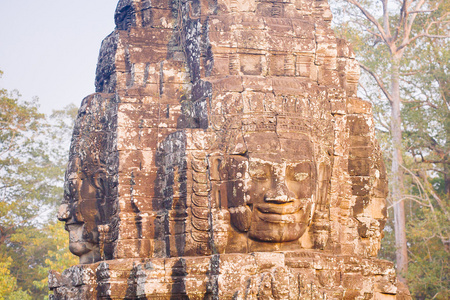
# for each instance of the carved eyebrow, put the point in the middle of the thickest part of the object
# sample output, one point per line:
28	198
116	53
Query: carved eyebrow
258	163
297	162
257	172
244	154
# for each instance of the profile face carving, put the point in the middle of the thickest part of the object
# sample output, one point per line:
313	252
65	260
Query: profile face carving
83	187
271	188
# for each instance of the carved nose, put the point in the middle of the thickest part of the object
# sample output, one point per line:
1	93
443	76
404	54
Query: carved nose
63	212
279	193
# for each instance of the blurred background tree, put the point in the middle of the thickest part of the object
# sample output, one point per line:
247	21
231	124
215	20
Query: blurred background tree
33	156
403	50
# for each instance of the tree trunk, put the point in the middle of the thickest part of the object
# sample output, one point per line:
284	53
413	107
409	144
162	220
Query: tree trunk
446	160
397	172
446	94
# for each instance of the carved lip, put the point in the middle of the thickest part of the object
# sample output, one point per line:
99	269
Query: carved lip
279	208
72	223
278	218
280	212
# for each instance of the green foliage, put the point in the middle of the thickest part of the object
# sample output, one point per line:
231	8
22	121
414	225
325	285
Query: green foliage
57	257
34	252
7	282
428	273
33	155
9	288
20	181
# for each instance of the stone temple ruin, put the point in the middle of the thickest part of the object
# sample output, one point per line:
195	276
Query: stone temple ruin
225	155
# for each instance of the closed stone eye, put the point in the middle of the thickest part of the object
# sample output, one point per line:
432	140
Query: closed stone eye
72	189
258	174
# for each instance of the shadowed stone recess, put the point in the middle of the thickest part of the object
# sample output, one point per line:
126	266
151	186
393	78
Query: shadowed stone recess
225	155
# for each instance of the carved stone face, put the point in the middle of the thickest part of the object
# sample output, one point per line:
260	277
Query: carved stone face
79	210
271	189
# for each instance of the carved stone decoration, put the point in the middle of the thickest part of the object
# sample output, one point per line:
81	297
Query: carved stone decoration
225	155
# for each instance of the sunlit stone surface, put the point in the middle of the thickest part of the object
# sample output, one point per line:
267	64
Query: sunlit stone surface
225	155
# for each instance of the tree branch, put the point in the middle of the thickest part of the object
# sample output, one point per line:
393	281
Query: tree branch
433	194
425	33
402	19
408	25
433	213
386	17
372	19
379	82
409	197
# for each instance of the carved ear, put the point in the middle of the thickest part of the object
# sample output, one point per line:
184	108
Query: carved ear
99	181
323	180
215	165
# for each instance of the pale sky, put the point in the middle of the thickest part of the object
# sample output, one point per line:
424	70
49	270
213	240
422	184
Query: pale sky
49	48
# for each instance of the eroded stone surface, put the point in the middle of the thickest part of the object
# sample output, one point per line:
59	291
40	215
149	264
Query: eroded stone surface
225	155
301	274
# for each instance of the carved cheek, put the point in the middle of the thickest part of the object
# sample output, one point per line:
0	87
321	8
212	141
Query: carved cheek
87	190
241	217
300	179
257	190
86	210
261	178
236	193
301	189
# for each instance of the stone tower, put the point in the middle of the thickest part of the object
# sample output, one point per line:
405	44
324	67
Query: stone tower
225	155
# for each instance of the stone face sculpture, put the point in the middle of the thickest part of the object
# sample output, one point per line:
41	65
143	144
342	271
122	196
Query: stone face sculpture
225	155
273	184
90	192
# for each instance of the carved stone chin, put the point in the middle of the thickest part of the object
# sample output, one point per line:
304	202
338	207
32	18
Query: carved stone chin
86	249
225	155
90	257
